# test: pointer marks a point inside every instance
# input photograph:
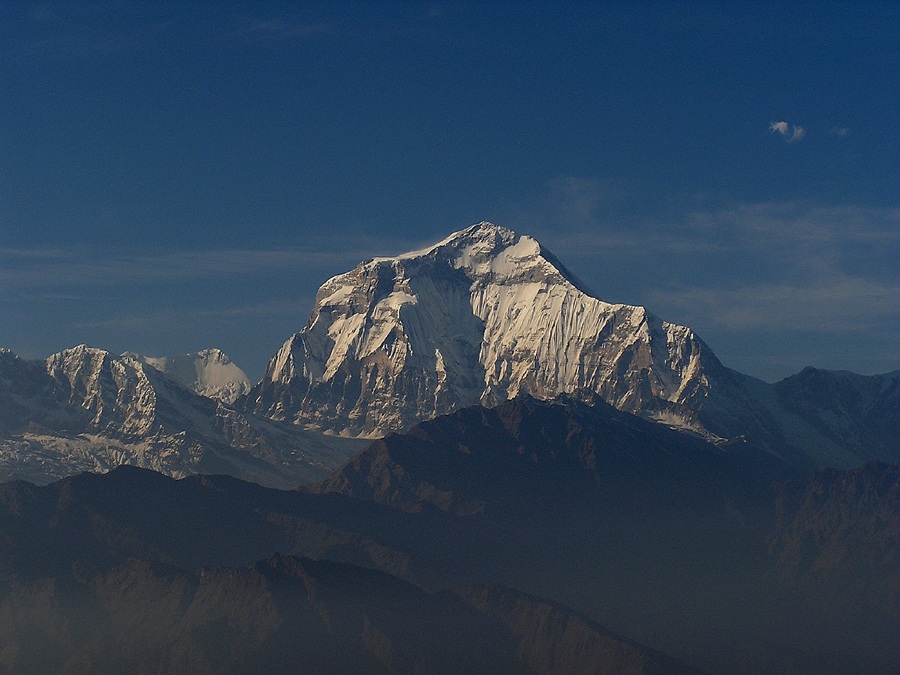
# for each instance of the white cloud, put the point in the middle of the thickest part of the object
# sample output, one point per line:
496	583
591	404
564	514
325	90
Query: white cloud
774	267
790	133
840	132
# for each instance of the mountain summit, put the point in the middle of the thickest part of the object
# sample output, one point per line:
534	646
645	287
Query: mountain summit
208	372
477	318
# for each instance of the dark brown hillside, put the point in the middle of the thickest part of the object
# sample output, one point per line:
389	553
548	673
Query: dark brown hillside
703	553
294	615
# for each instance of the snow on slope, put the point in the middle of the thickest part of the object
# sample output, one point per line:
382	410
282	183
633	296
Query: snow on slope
477	318
87	409
208	372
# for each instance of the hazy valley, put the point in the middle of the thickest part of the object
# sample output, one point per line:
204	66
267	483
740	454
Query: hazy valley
464	462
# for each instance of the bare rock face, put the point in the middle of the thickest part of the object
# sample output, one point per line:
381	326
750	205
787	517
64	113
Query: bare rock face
477	318
86	409
116	392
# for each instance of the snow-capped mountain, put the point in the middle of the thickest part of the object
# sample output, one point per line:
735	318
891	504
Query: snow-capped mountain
486	314
477	318
208	372
87	409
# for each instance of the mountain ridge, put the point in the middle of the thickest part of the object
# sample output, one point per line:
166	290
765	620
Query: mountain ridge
289	614
476	318
86	409
659	536
479	318
486	314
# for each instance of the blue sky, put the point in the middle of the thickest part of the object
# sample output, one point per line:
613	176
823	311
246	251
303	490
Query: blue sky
175	176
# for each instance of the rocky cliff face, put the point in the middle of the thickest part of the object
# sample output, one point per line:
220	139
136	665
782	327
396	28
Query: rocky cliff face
85	409
480	317
121	395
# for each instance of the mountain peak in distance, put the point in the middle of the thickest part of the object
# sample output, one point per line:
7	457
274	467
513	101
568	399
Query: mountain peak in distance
208	372
477	318
491	252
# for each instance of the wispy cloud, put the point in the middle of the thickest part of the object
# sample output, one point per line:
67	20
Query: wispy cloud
67	30
840	132
58	268
578	200
637	243
154	321
43	13
840	305
34	254
595	220
568	204
727	268
100	29
790	133
777	228
763	223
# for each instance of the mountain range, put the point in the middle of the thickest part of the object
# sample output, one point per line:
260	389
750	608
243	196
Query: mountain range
464	462
85	409
487	314
601	541
476	319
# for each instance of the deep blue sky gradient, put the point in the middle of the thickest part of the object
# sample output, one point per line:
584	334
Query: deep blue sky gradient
175	176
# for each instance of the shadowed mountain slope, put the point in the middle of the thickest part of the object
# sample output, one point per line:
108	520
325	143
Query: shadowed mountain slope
289	615
705	553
